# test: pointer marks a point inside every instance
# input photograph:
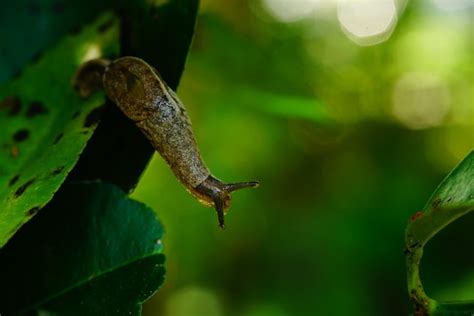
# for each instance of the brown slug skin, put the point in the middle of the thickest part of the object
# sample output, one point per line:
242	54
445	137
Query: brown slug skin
138	90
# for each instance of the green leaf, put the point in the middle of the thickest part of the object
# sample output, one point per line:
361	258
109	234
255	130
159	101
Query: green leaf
45	125
452	199
92	251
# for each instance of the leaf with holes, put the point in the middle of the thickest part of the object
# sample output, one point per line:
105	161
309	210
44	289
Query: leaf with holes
452	199
92	251
45	125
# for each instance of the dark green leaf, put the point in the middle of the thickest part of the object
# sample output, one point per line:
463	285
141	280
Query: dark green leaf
45	125
92	251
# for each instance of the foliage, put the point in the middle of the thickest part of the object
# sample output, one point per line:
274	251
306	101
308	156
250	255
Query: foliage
452	199
336	133
95	251
91	251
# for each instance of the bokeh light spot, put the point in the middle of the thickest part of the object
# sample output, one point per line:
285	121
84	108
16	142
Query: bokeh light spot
420	100
453	5
291	10
433	47
367	22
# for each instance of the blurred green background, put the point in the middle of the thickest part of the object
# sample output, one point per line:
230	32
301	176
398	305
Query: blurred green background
349	116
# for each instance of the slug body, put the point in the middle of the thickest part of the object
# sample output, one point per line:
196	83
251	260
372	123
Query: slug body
138	90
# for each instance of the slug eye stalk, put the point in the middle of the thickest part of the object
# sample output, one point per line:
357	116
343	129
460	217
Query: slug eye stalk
231	187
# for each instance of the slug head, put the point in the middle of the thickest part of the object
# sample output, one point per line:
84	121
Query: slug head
215	193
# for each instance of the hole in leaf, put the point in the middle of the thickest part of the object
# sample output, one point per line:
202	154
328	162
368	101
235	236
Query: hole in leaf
13	180
21	135
36	108
33	211
57	171
23	188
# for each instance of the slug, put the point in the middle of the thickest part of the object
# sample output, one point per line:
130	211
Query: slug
138	90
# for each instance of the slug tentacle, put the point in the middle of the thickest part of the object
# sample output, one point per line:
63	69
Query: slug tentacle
231	187
138	90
